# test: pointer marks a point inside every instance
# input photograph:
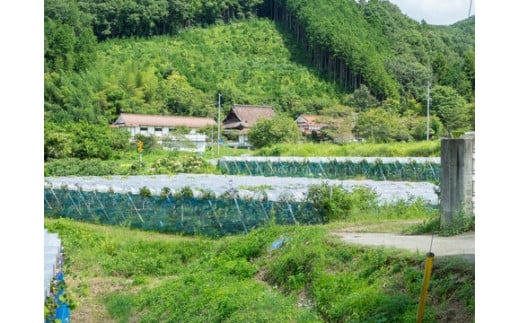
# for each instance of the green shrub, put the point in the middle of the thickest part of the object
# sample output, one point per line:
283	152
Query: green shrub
165	192
149	143
334	202
410	208
78	167
430	225
145	192
363	199
182	163
240	268
331	201
185	191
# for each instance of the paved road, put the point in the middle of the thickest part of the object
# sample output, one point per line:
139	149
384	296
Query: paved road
460	245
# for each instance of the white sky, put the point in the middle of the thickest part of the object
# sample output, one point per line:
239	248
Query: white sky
436	12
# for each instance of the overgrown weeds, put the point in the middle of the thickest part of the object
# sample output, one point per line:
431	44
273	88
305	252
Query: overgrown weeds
274	273
335	203
400	149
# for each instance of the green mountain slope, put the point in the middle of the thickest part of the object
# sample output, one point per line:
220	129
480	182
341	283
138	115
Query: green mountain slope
249	62
316	56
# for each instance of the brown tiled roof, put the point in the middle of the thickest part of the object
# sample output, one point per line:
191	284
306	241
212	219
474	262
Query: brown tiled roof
313	119
245	116
136	120
315	122
307	117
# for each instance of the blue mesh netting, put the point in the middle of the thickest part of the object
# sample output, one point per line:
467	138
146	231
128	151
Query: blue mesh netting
375	169
215	217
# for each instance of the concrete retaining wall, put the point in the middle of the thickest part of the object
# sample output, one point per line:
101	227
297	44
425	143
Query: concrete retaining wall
457	179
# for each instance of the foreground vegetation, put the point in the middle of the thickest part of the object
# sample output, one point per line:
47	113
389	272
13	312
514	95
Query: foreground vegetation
275	273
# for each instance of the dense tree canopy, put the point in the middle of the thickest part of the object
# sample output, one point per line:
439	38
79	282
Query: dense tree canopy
279	129
318	56
83	141
451	109
70	44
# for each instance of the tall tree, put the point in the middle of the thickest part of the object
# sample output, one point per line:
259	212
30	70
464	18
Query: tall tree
362	99
69	41
451	108
279	129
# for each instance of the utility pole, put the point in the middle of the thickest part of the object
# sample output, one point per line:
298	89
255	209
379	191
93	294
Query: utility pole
212	141
428	113
218	127
470	5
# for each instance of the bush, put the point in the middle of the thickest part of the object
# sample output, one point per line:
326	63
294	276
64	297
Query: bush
145	192
267	132
406	209
331	201
334	202
185	163
149	142
78	167
185	191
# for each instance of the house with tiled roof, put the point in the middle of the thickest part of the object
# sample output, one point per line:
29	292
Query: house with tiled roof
164	129
307	123
242	117
326	128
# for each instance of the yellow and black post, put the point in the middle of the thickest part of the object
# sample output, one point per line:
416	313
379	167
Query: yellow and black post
140	151
424	289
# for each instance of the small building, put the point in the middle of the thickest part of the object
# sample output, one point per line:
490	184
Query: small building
242	117
326	128
164	129
307	123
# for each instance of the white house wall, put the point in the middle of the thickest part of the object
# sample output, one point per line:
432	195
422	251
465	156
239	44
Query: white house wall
192	142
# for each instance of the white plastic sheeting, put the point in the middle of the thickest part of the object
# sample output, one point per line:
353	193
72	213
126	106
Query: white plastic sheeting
275	188
384	160
52	245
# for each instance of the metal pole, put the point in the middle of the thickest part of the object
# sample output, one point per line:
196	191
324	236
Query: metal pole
424	289
218	125
428	113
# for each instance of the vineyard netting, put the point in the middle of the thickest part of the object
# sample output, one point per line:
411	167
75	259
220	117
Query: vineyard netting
375	168
208	216
252	192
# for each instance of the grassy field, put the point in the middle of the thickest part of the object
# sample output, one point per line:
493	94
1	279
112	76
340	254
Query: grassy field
357	149
116	274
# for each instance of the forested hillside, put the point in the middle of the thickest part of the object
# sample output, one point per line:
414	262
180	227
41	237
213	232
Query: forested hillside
364	61
247	62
